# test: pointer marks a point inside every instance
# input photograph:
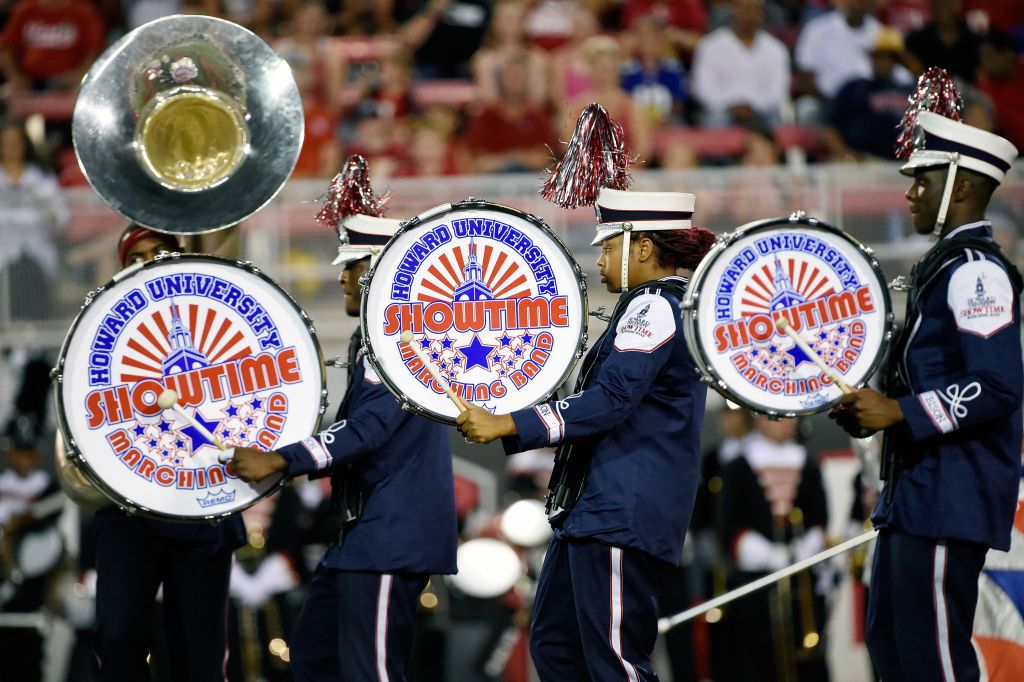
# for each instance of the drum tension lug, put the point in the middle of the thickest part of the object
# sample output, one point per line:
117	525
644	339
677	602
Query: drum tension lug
338	362
600	314
899	284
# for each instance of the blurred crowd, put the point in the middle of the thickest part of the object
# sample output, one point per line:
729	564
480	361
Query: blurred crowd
446	87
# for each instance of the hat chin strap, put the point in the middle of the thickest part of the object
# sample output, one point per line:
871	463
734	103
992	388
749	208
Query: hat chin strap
947	194
627	228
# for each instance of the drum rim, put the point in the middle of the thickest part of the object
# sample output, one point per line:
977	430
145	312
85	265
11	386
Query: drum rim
469	204
691	325
133	507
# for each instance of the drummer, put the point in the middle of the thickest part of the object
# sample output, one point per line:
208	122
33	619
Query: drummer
951	411
392	494
135	556
629	460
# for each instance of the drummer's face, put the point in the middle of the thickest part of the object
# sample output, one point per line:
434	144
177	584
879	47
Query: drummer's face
145	250
349	280
924	197
610	263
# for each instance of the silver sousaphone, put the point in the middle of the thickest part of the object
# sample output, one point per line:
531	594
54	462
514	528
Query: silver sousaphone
188	124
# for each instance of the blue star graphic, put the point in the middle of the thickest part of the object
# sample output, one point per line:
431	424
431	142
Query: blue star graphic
519	352
232	410
164	426
140	430
180	444
453	375
446	343
250	421
754	353
798	355
527	339
773	349
841	329
836	343
511	363
197	439
476	353
152	443
435	356
504	340
256	403
822	335
425	342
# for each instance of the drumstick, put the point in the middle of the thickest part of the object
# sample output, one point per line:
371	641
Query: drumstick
168	400
783	324
408	339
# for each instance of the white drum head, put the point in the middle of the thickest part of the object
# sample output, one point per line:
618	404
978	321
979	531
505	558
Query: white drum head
828	287
242	357
492	298
488	568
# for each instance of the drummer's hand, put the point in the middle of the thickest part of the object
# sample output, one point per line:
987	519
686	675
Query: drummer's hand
480	426
250	464
866	411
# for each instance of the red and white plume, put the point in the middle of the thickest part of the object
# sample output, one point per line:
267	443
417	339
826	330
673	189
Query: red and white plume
594	158
350	193
936	92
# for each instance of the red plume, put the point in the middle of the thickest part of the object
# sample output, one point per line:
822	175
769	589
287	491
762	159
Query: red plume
936	92
594	158
350	193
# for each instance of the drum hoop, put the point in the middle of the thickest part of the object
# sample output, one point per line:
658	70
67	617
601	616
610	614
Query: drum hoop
691	324
133	507
469	204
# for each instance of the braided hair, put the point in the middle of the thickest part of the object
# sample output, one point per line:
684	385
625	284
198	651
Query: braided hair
680	249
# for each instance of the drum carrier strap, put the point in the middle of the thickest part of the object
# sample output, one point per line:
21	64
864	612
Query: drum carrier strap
572	459
348	492
897	453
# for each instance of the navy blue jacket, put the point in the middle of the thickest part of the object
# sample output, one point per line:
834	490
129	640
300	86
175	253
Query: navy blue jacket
961	438
640	411
408	522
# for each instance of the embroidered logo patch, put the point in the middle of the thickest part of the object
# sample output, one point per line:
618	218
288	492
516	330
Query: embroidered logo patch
981	298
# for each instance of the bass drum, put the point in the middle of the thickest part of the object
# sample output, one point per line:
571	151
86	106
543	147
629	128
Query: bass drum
241	355
492	297
826	284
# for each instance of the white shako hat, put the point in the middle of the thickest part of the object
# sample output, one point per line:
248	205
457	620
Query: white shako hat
621	211
362	236
939	141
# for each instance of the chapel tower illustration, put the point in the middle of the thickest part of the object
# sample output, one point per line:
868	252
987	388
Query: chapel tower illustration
473	287
785	296
183	356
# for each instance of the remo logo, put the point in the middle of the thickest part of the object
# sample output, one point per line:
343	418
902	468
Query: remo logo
491	297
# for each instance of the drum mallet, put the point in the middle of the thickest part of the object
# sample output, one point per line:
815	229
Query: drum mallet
168	400
409	340
783	324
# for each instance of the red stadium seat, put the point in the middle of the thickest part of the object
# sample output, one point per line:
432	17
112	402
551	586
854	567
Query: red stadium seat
706	142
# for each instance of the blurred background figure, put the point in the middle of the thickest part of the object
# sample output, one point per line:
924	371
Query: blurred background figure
35	213
945	41
1002	78
506	41
741	72
865	114
654	77
774	514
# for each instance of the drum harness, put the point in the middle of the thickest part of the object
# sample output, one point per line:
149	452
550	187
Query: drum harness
896	453
348	491
572	459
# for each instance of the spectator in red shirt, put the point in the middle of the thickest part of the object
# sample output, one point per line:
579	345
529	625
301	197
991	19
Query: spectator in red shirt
687	19
1002	78
50	44
513	135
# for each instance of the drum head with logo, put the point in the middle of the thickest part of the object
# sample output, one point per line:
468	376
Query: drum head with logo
492	298
827	286
242	357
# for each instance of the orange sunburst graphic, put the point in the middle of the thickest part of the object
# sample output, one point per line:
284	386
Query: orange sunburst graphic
213	334
772	281
500	273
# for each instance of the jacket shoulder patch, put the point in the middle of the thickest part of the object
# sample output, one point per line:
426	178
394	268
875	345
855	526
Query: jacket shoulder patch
649	321
981	297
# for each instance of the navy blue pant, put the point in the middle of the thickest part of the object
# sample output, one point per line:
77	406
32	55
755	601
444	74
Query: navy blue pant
131	564
596	613
921	608
356	626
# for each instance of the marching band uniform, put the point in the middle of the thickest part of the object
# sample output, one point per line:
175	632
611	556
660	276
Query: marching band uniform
626	473
392	488
774	512
952	463
135	556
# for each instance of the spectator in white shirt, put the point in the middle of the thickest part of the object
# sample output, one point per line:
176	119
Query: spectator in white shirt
740	72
